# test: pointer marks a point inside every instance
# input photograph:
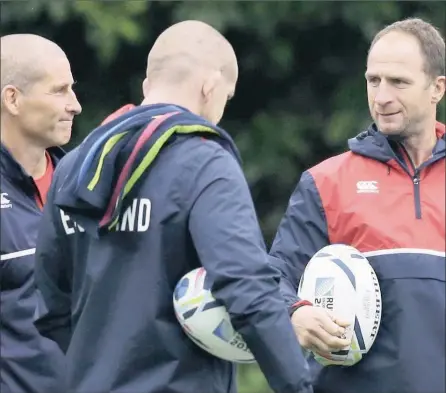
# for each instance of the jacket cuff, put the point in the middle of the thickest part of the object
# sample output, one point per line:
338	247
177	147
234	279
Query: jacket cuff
298	305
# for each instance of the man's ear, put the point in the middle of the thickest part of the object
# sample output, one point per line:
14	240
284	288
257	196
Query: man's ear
210	84
145	86
439	89
10	99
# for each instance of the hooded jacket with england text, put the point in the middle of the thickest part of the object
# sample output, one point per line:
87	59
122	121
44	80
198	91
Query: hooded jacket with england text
124	226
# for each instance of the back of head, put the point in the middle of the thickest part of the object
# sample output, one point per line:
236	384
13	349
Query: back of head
191	64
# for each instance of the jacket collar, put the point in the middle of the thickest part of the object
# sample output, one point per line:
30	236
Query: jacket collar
10	168
374	144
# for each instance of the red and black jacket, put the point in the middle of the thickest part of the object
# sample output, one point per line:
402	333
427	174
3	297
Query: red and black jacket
373	199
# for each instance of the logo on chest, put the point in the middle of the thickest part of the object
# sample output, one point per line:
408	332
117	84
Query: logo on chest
367	187
5	203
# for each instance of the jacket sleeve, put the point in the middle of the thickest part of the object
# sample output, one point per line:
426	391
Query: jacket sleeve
229	243
302	232
52	316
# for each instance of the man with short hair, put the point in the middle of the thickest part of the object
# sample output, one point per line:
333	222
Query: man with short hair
153	193
386	197
37	110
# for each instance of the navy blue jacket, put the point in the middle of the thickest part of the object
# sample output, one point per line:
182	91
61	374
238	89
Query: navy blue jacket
110	297
375	200
30	363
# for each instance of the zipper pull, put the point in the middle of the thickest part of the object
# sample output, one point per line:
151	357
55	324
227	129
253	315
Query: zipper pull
416	176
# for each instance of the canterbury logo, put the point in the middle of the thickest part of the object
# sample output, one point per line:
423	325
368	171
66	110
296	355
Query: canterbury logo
367	187
5	203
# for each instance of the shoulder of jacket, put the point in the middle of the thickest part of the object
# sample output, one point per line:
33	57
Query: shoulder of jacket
332	167
65	161
197	151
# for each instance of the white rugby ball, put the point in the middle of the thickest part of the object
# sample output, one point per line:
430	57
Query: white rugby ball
206	321
340	279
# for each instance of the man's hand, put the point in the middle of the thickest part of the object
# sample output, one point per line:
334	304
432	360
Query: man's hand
319	331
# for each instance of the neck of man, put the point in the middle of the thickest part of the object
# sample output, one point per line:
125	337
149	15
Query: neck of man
27	153
170	96
419	147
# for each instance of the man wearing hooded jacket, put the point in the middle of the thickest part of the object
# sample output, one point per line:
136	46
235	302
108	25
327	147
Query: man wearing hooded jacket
386	197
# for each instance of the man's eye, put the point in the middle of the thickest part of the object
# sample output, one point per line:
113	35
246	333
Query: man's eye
60	90
397	81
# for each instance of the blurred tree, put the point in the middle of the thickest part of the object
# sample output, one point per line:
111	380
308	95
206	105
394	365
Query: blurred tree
301	91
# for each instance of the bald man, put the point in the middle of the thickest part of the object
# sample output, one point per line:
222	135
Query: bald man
37	110
153	193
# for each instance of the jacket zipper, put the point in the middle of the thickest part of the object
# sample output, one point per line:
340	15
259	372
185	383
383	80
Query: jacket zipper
416	178
416	184
417	196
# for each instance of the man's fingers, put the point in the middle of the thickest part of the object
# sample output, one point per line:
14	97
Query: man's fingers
317	345
331	326
340	322
332	342
318	329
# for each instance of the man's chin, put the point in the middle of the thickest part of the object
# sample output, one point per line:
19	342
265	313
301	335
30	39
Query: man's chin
390	129
62	140
393	133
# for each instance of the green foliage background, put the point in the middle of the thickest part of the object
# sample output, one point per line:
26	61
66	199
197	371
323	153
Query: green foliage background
301	91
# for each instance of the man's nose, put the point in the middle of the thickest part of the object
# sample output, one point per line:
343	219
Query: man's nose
383	96
74	106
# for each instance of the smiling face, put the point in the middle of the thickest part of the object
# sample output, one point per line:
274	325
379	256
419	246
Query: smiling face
48	107
44	110
400	93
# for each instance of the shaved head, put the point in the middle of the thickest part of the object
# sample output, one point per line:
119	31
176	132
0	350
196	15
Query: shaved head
23	57
186	47
192	65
